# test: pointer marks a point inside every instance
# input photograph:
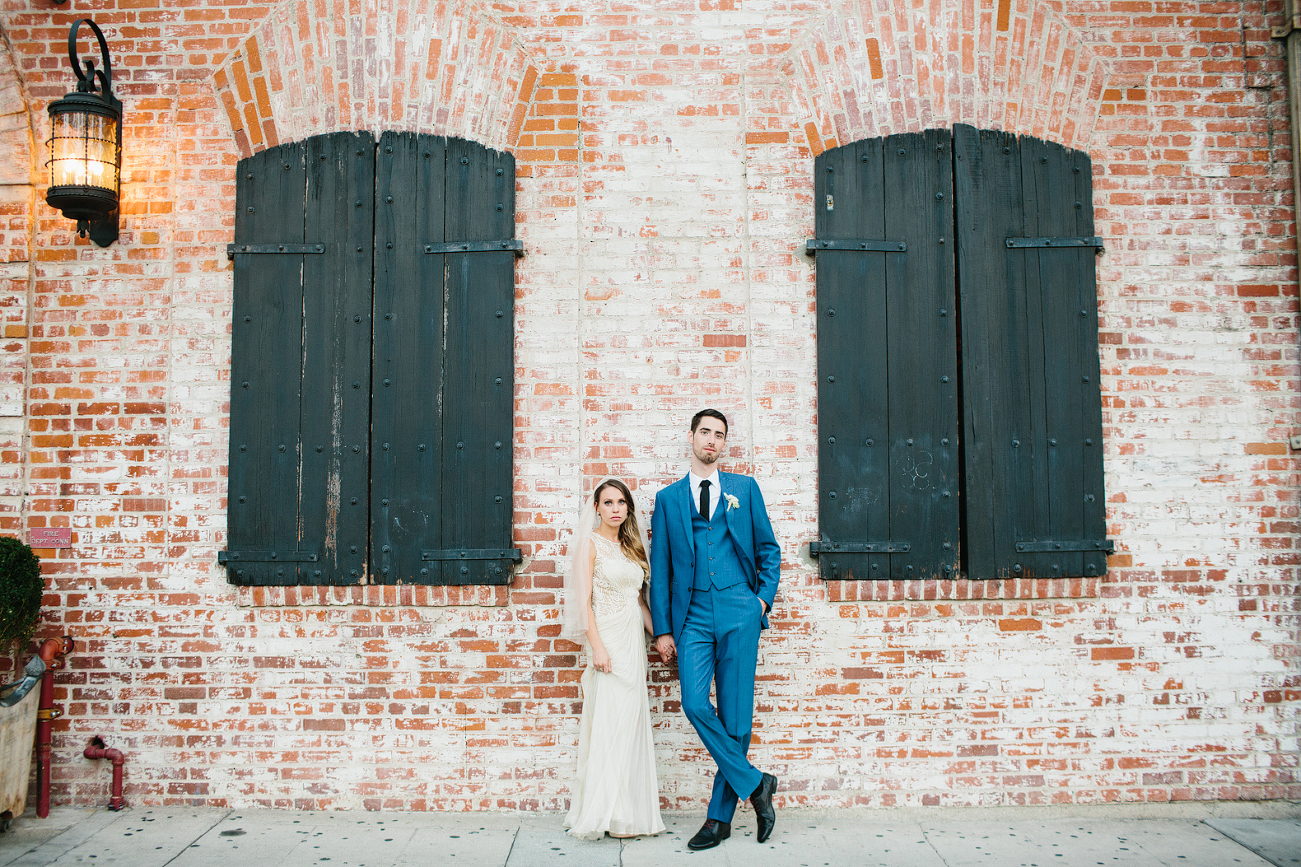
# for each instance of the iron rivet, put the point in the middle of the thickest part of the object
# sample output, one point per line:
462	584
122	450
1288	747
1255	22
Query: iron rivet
1076	169
500	314
831	440
424	571
282	448
496	499
465	161
243	448
1084	379
386	383
939	196
387	150
354	573
1007	150
356	384
1016	443
944	311
319	449
1016	568
317	573
426	154
239	572
354	547
385	549
245	383
356	449
1043	159
354	502
388	315
1084	313
831	312
465	570
1088	442
248	318
944	379
500	172
249	176
358	248
1078	206
1052	442
499	380
497	444
941	241
389	245
388	199
243	499
910	442
869	443
460	445
830	170
831	379
947	495
902	152
385	446
944	442
359	203
422	447
286	166
947	546
250	210
832	495
356	319
385	570
280	573
500	206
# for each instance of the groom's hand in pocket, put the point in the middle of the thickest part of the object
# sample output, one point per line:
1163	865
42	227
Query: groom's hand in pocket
665	647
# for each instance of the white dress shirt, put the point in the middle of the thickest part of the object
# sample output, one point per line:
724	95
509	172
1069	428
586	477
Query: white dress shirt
715	491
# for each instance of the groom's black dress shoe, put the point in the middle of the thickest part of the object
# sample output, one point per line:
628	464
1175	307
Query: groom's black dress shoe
710	835
764	814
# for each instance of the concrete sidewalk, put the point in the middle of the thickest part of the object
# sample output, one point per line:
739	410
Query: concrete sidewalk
1187	835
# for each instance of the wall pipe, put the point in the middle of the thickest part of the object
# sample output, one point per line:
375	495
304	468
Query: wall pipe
97	750
51	652
1290	33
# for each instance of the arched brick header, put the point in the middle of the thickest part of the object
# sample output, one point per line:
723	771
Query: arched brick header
443	68
876	67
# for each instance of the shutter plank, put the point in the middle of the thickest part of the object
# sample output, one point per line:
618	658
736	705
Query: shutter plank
336	357
478	416
266	366
407	480
922	365
1090	373
853	425
1058	275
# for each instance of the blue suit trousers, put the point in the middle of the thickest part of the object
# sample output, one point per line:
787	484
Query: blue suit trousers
719	644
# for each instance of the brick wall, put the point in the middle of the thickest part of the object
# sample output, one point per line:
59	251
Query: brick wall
664	193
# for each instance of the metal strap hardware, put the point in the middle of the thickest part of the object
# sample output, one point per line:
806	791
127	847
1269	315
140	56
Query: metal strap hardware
1107	545
267	557
292	249
816	548
813	245
1014	243
474	554
513	244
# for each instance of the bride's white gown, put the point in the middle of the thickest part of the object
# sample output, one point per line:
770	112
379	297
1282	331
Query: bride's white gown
616	789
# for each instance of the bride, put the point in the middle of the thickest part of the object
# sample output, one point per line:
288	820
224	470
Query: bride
615	790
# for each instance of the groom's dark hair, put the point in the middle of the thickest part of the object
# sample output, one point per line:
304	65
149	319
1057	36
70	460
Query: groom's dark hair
712	413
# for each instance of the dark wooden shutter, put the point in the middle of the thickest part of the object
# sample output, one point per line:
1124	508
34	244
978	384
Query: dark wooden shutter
1033	416
444	362
300	363
887	359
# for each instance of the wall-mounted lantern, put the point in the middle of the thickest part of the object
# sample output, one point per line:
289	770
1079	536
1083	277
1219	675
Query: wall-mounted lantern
86	146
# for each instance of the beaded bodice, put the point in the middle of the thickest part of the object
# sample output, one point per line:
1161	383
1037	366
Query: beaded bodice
616	580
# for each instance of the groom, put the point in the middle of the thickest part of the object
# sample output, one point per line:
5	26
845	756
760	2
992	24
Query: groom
714	569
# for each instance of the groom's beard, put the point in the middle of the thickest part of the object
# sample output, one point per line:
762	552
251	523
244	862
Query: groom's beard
705	457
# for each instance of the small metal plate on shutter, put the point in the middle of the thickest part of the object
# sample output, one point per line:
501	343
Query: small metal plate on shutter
474	554
267	557
1015	243
813	245
290	249
512	244
1107	545
816	548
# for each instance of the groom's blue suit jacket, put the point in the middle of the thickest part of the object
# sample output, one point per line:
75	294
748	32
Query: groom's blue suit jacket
673	554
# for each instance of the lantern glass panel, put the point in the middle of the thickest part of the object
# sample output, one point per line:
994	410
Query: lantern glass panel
83	151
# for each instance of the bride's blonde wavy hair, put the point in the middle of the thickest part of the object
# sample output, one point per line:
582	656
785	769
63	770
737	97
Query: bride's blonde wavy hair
629	532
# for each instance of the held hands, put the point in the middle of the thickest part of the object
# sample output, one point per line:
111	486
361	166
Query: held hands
665	647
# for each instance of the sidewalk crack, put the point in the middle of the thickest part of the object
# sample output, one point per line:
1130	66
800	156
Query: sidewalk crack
202	834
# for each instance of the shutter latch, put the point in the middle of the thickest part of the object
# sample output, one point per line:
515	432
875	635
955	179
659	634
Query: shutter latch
292	249
854	245
1049	547
891	547
1015	243
267	557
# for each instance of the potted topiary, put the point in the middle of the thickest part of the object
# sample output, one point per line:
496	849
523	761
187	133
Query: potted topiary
21	588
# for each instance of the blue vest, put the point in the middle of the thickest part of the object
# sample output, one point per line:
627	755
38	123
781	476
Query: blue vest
717	563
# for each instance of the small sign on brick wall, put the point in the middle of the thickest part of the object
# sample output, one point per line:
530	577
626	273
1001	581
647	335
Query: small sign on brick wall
50	537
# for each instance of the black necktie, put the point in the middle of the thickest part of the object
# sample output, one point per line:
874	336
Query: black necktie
704	500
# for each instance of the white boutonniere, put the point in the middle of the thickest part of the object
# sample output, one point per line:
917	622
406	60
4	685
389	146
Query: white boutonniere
732	502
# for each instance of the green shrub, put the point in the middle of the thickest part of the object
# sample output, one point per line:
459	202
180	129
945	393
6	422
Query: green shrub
21	588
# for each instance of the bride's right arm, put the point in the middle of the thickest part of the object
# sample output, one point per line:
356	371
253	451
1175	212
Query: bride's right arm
600	658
